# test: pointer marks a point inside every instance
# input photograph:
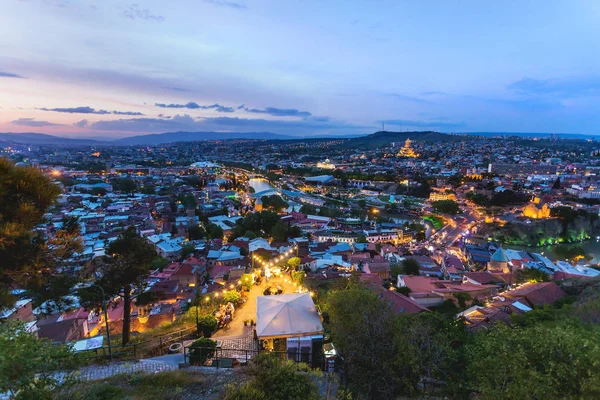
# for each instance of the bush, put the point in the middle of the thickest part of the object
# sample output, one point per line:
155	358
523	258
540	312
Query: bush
232	297
274	379
201	350
298	277
207	325
247	281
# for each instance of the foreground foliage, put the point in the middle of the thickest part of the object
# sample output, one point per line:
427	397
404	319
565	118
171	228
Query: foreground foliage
273	379
28	365
547	353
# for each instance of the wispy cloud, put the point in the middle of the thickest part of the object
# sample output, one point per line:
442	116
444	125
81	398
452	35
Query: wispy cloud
425	124
33	122
4	74
564	88
176	89
90	110
133	11
81	124
434	93
187	123
405	97
278	112
227	3
195	106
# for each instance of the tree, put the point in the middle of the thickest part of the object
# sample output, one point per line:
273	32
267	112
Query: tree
123	269
298	277
196	232
411	266
294	262
159	263
28	365
250	235
207	325
247	281
532	275
187	250
201	350
542	361
232	296
214	231
274	202
30	259
446	207
361	238
273	379
280	232
125	185
362	328
361	203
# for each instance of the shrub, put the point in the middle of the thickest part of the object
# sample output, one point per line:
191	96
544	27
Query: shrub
232	297
298	277
247	281
274	379
201	350
207	325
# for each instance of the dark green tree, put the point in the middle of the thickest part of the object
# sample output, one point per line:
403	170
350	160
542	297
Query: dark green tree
123	269
30	259
411	266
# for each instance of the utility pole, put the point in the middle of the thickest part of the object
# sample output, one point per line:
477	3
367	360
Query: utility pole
105	320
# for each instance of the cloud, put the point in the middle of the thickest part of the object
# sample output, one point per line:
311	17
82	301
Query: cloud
176	89
562	88
404	97
32	122
81	124
195	106
279	112
133	11
227	3
425	124
434	93
90	110
4	74
187	123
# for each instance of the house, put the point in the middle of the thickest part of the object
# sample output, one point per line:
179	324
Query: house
536	294
379	268
21	311
399	303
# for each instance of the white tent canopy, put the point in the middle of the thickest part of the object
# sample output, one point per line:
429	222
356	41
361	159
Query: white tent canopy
287	315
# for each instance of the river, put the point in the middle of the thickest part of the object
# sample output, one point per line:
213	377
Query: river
259	184
591	247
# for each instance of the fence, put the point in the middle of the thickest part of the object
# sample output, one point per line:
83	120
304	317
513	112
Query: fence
227	358
154	347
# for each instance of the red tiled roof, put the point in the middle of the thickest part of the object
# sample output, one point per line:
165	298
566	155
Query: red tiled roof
537	294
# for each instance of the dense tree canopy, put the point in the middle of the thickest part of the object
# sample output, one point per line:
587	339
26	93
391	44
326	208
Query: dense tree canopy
123	270
29	259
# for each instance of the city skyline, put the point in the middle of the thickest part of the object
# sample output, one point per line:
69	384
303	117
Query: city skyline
112	69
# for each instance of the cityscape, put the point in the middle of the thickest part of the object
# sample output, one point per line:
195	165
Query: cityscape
360	250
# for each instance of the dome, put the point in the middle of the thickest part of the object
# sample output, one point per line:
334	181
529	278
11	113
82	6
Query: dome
500	256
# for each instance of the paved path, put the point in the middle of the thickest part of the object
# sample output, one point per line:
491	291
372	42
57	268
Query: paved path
248	310
95	372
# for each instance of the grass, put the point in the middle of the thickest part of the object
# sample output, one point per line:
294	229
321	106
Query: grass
168	385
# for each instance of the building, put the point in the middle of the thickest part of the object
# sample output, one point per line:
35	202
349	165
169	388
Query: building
407	150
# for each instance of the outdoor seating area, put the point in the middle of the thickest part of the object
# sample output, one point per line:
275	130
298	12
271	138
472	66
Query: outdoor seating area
224	314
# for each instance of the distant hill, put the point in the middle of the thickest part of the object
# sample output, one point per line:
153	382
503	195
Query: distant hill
43	139
386	138
173	137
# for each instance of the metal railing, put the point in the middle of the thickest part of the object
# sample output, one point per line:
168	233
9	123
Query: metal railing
153	347
228	358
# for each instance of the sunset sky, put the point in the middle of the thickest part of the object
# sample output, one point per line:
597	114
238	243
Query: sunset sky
114	68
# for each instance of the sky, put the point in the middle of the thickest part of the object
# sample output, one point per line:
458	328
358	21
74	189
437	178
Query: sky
116	68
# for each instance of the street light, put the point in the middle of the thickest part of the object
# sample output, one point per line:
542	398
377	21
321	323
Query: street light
105	320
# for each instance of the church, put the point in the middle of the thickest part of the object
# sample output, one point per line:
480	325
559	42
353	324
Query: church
407	150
